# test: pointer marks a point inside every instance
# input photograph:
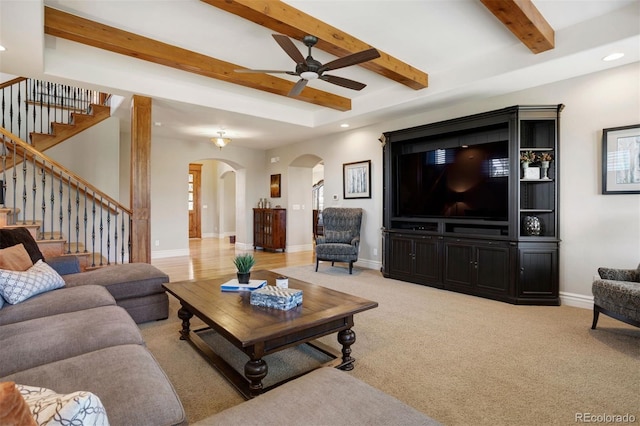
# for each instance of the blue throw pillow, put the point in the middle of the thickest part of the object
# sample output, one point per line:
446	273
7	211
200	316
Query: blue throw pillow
64	265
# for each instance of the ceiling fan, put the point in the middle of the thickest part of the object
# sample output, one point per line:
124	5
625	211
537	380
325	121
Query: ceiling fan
310	69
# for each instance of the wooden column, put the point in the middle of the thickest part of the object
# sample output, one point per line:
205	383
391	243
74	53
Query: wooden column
141	179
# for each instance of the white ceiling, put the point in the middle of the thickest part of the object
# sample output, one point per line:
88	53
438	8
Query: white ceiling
466	51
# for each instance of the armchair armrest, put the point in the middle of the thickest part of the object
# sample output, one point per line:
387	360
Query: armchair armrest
355	241
632	275
320	240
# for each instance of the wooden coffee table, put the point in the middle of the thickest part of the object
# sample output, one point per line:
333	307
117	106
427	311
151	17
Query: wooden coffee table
260	331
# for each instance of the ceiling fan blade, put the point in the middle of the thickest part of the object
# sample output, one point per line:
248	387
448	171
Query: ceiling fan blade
344	82
353	59
297	88
287	45
248	71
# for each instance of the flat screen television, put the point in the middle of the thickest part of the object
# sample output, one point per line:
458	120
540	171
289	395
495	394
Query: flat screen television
471	182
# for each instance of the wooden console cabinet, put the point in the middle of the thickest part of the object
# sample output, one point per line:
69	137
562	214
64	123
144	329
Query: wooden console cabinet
512	258
270	229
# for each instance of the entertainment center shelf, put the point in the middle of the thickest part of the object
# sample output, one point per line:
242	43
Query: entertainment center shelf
461	213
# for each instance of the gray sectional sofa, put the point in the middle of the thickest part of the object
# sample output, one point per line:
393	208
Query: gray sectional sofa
77	339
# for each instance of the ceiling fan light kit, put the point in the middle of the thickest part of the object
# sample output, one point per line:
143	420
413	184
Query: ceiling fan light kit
311	69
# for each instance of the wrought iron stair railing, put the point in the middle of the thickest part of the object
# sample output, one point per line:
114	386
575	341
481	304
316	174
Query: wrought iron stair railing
30	106
41	193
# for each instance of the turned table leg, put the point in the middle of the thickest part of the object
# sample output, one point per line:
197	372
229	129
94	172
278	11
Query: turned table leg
347	338
255	370
185	316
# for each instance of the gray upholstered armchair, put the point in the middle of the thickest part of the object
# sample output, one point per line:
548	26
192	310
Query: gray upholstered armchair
617	294
341	238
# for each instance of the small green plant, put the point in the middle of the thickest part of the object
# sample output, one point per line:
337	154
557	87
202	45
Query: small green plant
528	157
244	262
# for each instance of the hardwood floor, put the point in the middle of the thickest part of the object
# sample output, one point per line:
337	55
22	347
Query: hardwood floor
211	257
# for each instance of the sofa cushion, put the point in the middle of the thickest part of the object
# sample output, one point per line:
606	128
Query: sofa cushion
15	258
56	302
131	385
17	286
326	396
124	280
52	409
11	236
28	344
13	408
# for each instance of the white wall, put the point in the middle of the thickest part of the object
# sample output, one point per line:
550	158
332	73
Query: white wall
596	230
94	155
226	203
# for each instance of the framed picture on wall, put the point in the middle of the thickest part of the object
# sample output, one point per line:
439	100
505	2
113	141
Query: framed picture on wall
275	186
356	179
621	160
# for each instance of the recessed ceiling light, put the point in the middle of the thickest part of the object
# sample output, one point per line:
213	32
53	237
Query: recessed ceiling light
613	56
2	48
344	125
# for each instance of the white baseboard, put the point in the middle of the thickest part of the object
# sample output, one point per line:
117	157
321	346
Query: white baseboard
159	254
300	247
369	264
576	300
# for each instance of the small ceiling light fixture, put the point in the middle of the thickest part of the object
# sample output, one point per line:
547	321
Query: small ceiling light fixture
344	125
2	48
613	56
220	141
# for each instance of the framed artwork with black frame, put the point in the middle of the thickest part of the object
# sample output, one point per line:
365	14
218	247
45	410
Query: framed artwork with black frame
356	179
621	160
275	186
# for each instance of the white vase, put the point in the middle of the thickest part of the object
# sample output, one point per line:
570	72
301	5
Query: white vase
545	169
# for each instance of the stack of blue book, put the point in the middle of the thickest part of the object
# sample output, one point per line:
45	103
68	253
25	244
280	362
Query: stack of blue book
234	285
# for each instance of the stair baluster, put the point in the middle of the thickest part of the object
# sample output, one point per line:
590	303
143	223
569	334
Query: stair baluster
93	231
108	232
24	188
69	219
101	229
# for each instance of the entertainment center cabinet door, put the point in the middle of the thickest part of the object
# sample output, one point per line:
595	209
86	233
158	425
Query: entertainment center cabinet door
476	267
416	258
538	274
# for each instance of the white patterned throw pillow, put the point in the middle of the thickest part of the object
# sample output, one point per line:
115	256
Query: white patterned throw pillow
77	408
17	286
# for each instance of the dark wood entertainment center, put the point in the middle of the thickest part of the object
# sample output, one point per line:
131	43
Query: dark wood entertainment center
470	221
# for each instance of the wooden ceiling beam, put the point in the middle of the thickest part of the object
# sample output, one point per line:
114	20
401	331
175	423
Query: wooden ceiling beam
287	20
525	21
71	27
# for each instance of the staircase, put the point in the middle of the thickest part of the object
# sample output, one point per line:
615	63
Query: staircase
65	214
63	131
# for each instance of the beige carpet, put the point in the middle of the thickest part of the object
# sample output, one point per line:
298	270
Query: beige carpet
460	359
